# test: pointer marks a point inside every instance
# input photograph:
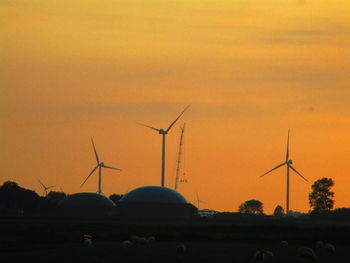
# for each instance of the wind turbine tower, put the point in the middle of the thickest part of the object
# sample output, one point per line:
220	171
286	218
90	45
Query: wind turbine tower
164	133
288	164
99	165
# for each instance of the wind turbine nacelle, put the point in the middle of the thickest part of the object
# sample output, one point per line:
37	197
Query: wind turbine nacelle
161	131
290	162
102	164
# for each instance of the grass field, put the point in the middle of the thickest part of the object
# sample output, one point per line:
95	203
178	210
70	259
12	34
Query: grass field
161	251
62	241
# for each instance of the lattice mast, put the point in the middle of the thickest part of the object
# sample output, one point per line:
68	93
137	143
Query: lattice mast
177	178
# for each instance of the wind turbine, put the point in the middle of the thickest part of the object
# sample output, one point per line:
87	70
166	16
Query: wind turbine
99	165
45	188
198	201
288	163
163	133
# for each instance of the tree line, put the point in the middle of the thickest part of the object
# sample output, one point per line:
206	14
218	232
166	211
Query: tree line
15	200
321	200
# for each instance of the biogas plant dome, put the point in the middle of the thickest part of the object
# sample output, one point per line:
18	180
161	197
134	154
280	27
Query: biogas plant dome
153	194
86	200
154	203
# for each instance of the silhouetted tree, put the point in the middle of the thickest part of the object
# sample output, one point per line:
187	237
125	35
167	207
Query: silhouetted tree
15	198
321	198
115	197
342	212
56	197
279	211
251	207
295	214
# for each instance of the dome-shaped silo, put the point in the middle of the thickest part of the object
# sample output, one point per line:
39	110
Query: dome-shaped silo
153	194
86	205
155	203
88	200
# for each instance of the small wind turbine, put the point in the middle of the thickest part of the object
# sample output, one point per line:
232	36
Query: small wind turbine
99	165
45	188
163	133
288	163
198	201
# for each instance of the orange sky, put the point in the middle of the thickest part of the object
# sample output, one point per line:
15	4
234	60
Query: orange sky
251	69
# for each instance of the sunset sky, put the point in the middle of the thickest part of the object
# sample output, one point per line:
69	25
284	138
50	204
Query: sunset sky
251	69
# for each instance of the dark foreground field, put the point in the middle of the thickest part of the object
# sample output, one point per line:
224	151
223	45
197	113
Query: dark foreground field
62	241
162	251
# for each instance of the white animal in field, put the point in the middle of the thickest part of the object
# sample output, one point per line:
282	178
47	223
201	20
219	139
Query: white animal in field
133	238
87	243
151	239
126	244
139	240
143	241
180	249
87	240
262	254
306	253
319	244
284	243
329	247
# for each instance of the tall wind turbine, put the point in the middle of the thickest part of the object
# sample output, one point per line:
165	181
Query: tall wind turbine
99	165
198	201
163	133
288	164
45	188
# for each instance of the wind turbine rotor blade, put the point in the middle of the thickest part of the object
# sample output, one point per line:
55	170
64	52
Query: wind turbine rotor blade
278	166
93	145
287	153
93	170
42	184
291	167
105	166
171	125
50	186
148	126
